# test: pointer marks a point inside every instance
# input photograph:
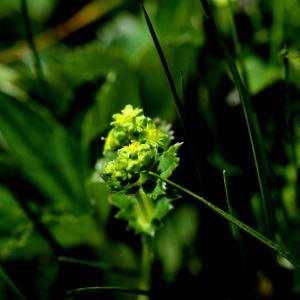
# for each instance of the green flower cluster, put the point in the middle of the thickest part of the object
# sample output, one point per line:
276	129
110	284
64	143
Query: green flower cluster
134	142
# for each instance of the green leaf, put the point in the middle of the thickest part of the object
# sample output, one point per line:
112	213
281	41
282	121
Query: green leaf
90	62
17	236
132	212
98	197
11	215
162	208
260	74
174	239
38	9
45	153
72	231
169	161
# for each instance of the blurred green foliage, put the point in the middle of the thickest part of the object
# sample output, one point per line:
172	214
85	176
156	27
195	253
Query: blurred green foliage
51	129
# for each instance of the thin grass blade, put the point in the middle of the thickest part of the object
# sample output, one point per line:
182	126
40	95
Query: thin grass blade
4	276
100	265
104	289
251	123
163	60
257	235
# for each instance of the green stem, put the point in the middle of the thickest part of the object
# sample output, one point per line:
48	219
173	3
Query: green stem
4	276
146	265
269	243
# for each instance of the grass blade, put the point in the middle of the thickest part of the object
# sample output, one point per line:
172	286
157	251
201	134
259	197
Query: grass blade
251	123
179	104
163	60
4	276
102	289
234	231
257	235
99	265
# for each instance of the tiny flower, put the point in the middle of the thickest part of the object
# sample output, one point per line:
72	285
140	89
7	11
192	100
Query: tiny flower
155	137
125	170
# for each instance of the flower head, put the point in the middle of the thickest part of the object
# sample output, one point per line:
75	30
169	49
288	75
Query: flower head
137	142
126	169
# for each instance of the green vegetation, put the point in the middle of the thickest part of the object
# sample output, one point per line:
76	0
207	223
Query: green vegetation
118	119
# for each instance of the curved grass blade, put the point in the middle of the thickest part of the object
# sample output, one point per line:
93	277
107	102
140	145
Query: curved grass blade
103	289
257	235
100	265
251	123
4	276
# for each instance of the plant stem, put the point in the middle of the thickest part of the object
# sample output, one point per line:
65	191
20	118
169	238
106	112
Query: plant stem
260	237
146	264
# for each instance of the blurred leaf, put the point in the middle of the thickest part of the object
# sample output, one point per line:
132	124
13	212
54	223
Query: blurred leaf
38	9
71	231
177	235
17	237
294	63
67	70
8	82
11	215
178	18
177	24
89	62
98	196
46	154
125	32
181	55
260	74
120	88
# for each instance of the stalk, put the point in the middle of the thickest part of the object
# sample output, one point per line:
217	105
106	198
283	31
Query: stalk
146	265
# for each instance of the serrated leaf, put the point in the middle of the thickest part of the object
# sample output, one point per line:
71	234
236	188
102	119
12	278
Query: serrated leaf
168	161
162	208
130	211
